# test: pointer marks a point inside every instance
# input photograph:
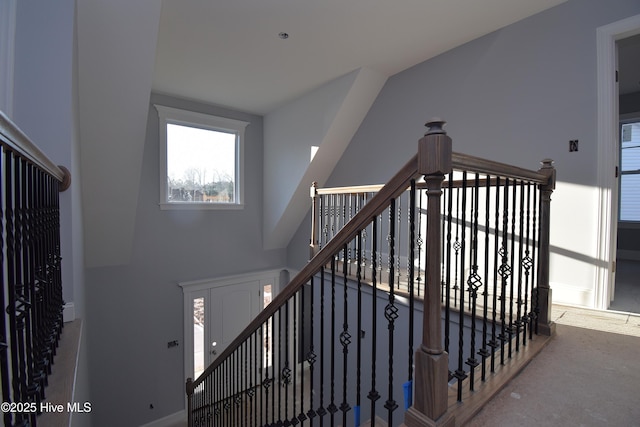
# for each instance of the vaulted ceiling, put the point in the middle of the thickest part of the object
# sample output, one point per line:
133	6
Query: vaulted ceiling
231	53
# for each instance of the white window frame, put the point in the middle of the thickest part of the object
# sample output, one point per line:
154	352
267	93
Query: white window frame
169	115
624	119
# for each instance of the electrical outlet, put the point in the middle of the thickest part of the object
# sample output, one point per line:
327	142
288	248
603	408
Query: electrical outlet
573	145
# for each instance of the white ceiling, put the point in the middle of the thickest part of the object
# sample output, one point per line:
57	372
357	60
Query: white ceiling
228	52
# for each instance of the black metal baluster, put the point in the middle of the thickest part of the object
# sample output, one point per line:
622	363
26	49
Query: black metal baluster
4	345
373	395
536	233
527	267
227	390
494	316
443	233
456	247
40	276
274	350
245	389
420	242
352	256
505	270
286	371
391	312
408	386
512	328
345	340
474	281
447	302
16	373
299	313
294	362
280	382
460	373
321	411
359	328
311	355
253	367
263	389
235	392
218	409
266	383
32	387
363	241
332	406
398	242
39	374
519	301
484	351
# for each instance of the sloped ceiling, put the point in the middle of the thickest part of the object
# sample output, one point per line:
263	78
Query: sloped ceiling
229	53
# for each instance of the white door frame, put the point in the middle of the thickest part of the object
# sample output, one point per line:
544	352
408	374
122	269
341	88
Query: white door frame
197	288
607	36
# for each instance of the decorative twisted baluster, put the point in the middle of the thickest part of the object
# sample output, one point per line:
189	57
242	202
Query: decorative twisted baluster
474	281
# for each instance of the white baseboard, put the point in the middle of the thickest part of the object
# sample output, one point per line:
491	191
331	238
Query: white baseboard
572	295
68	312
172	420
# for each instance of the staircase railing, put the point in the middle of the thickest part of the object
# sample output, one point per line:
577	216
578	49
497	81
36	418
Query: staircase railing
391	267
31	297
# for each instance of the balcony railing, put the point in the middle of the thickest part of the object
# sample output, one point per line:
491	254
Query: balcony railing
422	286
31	297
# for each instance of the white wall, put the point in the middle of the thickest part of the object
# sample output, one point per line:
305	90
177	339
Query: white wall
137	308
327	117
517	95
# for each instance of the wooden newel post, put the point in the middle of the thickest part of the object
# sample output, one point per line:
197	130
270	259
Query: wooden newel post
313	244
543	297
431	361
189	389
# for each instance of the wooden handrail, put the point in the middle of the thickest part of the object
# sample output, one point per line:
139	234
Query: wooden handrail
460	162
490	167
354	189
16	140
376	205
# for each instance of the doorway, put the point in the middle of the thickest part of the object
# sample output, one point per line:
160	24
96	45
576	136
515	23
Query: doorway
608	37
217	311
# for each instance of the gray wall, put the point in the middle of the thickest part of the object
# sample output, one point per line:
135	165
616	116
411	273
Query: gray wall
137	308
516	95
45	108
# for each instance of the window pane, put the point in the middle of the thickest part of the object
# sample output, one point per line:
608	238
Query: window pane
266	330
630	154
630	163
198	337
201	165
630	200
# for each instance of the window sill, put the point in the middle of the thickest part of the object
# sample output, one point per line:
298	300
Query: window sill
201	206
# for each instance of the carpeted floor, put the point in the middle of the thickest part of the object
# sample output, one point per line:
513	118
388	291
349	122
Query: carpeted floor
589	375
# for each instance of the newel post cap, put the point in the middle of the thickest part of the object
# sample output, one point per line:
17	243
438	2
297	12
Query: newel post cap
434	149
550	171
